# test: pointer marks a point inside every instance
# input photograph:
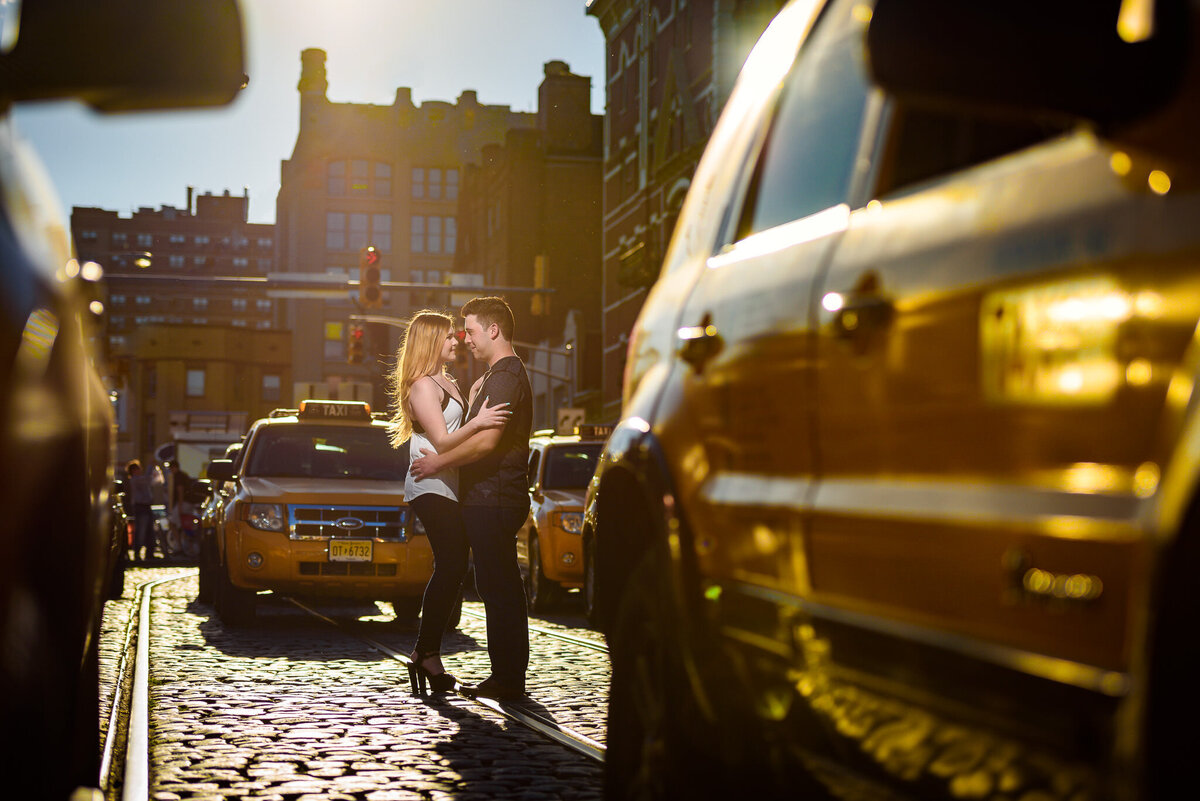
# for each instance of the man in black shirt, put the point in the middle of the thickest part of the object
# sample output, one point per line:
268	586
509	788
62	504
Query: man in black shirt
494	493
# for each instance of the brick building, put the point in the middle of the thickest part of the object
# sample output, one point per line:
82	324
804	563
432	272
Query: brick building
158	268
670	67
387	176
530	217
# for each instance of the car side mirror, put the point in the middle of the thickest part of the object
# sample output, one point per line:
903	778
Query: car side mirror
220	470
1077	58
125	55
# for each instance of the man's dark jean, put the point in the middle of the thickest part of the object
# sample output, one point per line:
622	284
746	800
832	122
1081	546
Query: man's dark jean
492	532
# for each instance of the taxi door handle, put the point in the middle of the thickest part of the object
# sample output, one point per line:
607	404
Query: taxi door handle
858	312
699	343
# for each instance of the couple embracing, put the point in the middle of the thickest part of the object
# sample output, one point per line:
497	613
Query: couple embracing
466	482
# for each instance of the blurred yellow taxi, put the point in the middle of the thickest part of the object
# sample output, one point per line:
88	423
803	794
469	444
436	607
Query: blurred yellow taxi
549	548
903	498
318	511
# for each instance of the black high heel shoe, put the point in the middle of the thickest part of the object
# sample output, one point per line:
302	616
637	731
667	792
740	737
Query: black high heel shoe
422	680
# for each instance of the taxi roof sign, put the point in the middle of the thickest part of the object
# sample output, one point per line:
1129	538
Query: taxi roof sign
594	431
335	410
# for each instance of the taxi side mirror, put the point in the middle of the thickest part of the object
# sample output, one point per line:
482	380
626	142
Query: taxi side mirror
125	55
220	470
1073	58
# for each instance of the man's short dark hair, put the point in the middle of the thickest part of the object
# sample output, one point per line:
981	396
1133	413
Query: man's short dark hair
491	310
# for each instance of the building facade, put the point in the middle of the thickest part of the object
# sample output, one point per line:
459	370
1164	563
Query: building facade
530	217
159	270
386	176
670	67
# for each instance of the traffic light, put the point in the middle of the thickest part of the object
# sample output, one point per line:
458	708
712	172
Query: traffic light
462	356
354	347
370	296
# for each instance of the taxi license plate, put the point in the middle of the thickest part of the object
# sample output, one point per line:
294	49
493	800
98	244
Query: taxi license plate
351	550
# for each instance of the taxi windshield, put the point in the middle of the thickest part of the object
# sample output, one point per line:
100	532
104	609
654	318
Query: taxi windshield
332	452
570	466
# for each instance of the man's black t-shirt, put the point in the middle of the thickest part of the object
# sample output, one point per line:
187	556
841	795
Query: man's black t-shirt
499	479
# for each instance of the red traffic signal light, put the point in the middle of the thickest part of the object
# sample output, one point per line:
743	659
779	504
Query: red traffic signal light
370	294
354	345
461	356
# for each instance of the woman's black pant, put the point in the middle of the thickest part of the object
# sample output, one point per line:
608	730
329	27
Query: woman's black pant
443	522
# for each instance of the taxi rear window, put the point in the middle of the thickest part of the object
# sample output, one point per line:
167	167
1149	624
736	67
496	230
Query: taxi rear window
311	451
570	466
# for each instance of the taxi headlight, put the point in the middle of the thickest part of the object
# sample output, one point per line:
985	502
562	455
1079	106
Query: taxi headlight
264	516
570	522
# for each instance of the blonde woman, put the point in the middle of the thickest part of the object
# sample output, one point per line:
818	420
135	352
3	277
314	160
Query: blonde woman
429	415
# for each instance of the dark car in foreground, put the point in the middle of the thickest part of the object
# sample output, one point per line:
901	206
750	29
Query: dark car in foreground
903	502
56	531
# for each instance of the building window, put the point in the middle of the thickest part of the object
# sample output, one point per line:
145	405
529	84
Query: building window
335	350
264	265
335	230
177	261
450	226
337	178
200	261
265	242
263	304
238	304
195	383
418	234
263	324
435	184
241	242
381	232
238	322
116	300
199	303
199	321
119	239
451	184
270	387
434	239
202	239
359	179
89	236
177	239
416	276
358	231
241	261
383	179
142	300
418	182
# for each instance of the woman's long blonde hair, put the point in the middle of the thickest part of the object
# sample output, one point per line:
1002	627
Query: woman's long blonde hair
419	355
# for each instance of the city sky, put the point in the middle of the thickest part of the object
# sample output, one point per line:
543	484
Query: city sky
439	49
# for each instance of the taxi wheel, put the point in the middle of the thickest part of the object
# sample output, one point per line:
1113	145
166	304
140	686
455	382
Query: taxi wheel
589	581
407	609
207	565
646	758
235	606
543	593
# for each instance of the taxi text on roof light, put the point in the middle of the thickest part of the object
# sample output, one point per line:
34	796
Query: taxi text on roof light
336	410
594	431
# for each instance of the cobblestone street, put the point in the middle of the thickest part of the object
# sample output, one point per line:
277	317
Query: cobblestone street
294	708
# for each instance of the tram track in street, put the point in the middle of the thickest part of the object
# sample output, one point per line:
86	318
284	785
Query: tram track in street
126	769
513	711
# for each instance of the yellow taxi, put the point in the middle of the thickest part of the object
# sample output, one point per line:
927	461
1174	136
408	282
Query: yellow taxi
317	509
548	546
904	500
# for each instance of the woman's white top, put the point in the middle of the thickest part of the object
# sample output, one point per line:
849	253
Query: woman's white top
444	483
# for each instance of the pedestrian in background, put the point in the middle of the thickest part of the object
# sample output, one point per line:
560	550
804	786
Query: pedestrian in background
494	492
141	490
429	414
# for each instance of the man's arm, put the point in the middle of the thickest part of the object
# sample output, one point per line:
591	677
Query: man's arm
478	446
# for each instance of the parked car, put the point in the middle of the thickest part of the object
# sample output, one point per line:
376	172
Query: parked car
317	511
56	534
903	500
549	548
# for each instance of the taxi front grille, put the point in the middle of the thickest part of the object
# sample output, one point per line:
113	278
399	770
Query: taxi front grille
346	569
321	522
